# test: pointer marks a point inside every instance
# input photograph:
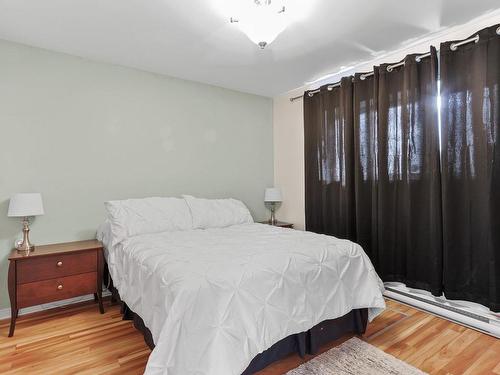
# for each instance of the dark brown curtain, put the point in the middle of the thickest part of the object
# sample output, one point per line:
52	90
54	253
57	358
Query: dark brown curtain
366	162
470	84
409	178
329	164
398	191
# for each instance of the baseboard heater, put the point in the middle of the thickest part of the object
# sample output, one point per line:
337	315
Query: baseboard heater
483	321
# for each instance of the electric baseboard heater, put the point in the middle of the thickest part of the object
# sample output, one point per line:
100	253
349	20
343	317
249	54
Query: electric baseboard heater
465	313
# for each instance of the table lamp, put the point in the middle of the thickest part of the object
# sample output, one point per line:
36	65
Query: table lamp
272	199
25	205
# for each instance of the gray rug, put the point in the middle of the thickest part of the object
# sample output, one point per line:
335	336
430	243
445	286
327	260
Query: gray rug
355	357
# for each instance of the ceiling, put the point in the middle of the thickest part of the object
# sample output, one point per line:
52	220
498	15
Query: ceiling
193	39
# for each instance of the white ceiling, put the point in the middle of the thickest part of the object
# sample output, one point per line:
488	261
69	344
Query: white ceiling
193	39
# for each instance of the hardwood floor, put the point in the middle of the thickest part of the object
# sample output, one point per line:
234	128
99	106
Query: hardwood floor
79	340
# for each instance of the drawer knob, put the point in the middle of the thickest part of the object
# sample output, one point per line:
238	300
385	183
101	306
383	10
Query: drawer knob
59	287
59	264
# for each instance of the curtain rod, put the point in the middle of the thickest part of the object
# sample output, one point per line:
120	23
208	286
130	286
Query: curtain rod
311	93
390	68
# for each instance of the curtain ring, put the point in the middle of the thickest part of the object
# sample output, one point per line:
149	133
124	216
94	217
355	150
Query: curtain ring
310	94
390	68
498	30
419	58
362	77
454	46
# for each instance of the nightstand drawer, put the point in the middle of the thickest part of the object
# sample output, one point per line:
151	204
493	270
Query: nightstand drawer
54	266
56	289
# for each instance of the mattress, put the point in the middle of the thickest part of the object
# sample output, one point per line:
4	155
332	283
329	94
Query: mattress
215	298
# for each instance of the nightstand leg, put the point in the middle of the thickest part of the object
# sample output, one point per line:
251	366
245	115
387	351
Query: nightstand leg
13	317
12	296
95	297
99	299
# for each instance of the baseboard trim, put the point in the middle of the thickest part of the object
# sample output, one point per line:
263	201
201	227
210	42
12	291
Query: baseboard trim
5	313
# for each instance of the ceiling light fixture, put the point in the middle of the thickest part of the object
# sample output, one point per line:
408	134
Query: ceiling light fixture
263	21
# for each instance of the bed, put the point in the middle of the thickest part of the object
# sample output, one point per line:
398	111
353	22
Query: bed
218	294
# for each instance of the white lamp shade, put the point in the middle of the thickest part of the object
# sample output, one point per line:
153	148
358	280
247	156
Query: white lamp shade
25	204
273	195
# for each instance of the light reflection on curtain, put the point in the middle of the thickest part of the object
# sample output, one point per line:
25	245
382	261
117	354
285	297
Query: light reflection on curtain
329	181
470	77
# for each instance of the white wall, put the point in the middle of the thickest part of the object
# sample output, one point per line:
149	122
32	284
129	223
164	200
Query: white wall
289	158
288	118
82	133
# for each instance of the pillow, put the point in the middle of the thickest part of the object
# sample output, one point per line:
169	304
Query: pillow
217	213
104	233
133	217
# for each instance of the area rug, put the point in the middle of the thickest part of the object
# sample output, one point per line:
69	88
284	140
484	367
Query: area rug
355	357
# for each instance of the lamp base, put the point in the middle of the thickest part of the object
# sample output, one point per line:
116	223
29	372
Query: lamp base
22	248
25	246
272	220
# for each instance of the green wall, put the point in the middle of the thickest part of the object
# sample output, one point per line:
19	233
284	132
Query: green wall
82	133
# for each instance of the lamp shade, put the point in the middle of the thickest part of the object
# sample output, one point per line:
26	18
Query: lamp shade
25	204
273	195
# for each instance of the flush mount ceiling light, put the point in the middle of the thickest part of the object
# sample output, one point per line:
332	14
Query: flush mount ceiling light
262	21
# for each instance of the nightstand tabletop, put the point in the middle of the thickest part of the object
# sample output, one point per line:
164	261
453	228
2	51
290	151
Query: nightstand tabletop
59	248
281	224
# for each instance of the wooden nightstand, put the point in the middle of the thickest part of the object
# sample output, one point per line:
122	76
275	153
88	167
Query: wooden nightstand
54	272
280	224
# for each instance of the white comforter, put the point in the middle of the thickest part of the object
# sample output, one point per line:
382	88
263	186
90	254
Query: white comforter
215	298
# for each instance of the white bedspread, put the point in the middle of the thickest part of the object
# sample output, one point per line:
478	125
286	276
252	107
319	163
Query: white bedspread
215	298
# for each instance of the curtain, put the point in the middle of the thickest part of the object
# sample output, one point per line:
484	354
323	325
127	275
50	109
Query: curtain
427	217
366	162
470	80
398	190
329	165
409	179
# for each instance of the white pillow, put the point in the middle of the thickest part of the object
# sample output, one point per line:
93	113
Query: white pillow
104	234
132	217
217	213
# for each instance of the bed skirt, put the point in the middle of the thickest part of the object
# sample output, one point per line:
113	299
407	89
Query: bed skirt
307	342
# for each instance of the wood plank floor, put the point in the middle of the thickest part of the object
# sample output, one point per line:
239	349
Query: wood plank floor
79	340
